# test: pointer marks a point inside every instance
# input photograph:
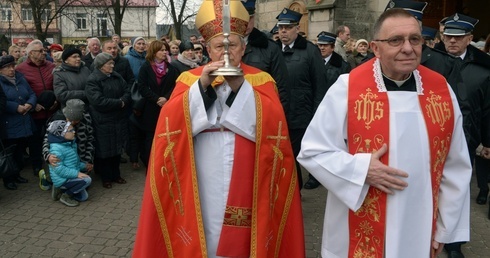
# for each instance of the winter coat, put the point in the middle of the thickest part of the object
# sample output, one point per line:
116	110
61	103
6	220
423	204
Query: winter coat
3	101
136	60
264	54
179	66
69	164
88	60
307	80
106	94
355	59
122	67
69	83
40	78
17	125
335	67
151	91
475	71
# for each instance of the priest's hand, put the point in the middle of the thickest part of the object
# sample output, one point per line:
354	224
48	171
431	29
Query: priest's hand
485	153
207	79
383	177
437	248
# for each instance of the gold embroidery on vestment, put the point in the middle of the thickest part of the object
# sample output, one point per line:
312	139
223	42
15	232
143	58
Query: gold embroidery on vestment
178	201
438	110
238	217
368	109
276	175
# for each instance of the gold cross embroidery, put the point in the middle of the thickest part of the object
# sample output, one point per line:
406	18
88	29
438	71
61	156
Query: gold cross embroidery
240	217
274	186
164	170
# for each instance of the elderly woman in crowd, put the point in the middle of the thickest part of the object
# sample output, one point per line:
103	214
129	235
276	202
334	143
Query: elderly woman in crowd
16	120
186	60
156	82
109	97
360	52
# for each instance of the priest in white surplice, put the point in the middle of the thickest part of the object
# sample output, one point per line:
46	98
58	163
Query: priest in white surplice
387	142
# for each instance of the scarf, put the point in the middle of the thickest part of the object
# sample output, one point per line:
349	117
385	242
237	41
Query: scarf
160	69
191	63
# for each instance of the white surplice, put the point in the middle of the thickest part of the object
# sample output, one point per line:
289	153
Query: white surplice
214	151
325	155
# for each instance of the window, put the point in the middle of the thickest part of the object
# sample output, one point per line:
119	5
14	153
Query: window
81	21
46	14
6	12
101	24
26	13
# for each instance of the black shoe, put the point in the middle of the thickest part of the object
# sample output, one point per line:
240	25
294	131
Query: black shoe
482	197
312	183
455	254
10	186
123	160
21	180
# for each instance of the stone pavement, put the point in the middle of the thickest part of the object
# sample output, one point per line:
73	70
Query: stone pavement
32	225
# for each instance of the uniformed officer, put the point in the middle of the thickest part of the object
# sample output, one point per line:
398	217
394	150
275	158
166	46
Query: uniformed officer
475	71
262	53
307	77
429	35
334	66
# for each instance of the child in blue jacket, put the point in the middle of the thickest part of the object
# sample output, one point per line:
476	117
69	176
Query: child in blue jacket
69	182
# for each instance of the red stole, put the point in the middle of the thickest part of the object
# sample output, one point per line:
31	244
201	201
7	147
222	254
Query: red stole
368	129
171	222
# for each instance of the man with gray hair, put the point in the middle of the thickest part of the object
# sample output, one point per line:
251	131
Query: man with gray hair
93	45
39	75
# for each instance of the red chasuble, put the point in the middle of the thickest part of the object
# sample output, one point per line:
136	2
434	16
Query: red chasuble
171	222
369	128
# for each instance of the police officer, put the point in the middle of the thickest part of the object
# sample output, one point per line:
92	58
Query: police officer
475	70
262	53
307	77
334	66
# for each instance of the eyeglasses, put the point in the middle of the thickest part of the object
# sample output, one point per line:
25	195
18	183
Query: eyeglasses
397	41
40	51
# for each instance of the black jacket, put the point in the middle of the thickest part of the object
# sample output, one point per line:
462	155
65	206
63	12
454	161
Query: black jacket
264	54
69	83
307	81
110	120
151	91
475	70
122	67
335	67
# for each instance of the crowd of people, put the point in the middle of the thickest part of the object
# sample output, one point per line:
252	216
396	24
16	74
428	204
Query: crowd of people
391	127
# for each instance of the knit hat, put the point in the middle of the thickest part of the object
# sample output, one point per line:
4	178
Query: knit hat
56	47
74	109
134	40
185	46
57	130
359	42
69	52
101	59
6	60
46	99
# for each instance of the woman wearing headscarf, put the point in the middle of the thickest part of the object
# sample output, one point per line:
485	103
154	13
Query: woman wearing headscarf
136	54
16	120
109	97
156	82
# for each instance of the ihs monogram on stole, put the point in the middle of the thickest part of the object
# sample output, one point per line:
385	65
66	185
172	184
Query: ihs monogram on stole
368	109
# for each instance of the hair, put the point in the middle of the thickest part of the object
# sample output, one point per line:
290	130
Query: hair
12	48
93	39
57	56
486	47
174	42
125	50
395	12
154	47
31	45
341	29
193	36
116	35
105	42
